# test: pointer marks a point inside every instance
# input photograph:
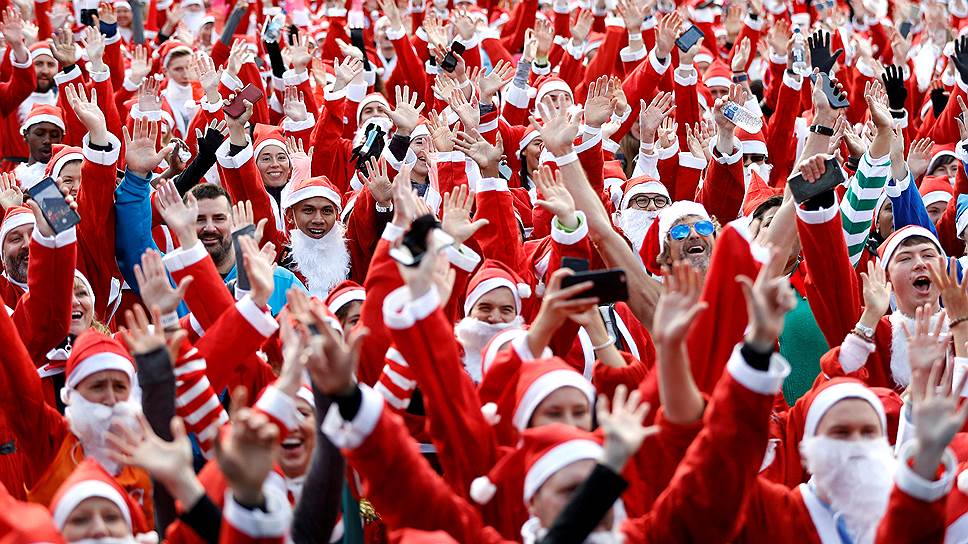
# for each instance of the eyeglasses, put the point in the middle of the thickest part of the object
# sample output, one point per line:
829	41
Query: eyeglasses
642	201
681	231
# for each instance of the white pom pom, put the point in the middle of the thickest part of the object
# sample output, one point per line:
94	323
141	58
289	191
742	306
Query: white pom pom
524	291
482	490
489	411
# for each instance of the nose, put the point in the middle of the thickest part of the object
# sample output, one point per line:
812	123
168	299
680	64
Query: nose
651	207
494	317
98	529
110	398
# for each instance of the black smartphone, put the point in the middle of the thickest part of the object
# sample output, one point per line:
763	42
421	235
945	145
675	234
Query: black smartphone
58	213
608	285
450	60
413	247
803	190
87	16
574	264
689	38
905	28
356	38
243	278
236	108
836	99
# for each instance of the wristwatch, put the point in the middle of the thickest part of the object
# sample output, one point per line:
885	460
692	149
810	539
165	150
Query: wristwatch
820	129
864	330
739	77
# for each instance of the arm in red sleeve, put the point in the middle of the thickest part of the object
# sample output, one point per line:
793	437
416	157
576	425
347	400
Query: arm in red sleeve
16	89
724	188
105	100
41	11
43	313
640	85
207	297
779	133
522	17
75	130
95	233
114	61
752	30
409	66
500	238
495	50
604	62
230	345
242	181
381	279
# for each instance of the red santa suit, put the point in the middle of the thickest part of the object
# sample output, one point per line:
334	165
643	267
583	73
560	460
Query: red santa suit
25	522
20	98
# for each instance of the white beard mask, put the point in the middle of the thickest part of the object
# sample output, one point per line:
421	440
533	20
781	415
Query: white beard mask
474	334
324	262
90	421
635	224
762	169
856	475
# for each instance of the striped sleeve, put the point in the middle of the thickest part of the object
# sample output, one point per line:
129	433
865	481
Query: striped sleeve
396	382
860	203
196	402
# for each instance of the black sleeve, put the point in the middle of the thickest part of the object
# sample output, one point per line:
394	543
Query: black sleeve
235	17
319	506
275	58
138	22
349	405
587	507
756	358
203	161
399	145
157	380
205	519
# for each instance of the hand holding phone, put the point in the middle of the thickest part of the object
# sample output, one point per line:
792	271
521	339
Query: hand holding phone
53	205
607	285
689	38
242	281
836	97
249	93
413	247
821	180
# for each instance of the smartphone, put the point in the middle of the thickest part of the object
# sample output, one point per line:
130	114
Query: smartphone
450	60
803	190
87	16
608	285
243	277
58	213
356	38
836	99
905	28
689	38
413	247
236	108
575	264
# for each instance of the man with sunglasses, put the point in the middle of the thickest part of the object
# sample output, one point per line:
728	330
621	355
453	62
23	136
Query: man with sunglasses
642	200
686	233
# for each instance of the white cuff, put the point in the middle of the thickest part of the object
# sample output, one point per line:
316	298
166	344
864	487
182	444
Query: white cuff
517	97
61	78
685	76
769	382
272	523
463	257
914	485
279	406
351	434
65	238
628	55
559	235
104	158
100	77
854	353
288	125
262	321
817	217
183	257
688	160
231	82
394	34
233	161
401	311
732	158
492	184
292	78
208	106
392	233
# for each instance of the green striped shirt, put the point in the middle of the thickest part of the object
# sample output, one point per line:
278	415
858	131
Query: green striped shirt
860	202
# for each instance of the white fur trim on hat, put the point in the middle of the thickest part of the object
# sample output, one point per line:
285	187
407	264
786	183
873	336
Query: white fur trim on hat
369	99
519	291
87	285
306	394
41	51
556	459
97	363
33	120
352	295
84	490
718	81
674	212
62	162
754	147
545	385
825	400
419	131
266	143
653	187
960	224
13	222
527	139
894	241
937	196
298	196
552	86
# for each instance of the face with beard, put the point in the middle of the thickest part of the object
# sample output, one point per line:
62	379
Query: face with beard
41	138
695	248
297	448
16	252
212	228
45	66
636	219
96	519
97	403
314	216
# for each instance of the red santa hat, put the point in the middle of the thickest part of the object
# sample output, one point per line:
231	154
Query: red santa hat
529	136
87	481
654	242
494	275
890	245
309	188
25	523
543	452
642	185
938	152
42	113
718	74
753	143
169	48
548	84
936	189
345	292
59	160
371	98
704	55
17	216
835	391
95	352
757	192
615	180
39	49
266	135
540	378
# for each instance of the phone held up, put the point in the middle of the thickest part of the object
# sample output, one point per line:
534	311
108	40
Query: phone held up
53	205
236	108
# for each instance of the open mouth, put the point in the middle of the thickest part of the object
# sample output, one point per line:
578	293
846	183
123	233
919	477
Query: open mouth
291	443
695	249
210	240
316	232
922	284
76	315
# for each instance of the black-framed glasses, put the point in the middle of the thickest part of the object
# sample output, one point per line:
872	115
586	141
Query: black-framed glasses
643	201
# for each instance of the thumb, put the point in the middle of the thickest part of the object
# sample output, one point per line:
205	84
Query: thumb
183	286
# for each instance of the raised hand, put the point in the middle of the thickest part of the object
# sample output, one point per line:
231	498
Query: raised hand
962	119
141	152
180	215
155	287
558	130
294	104
88	112
331	362
960	57
821	57
667	132
558	304
144	336
245	453
440	133
12	29
208	75
457	214
877	104
768	300
487	156
94	45
149	95
346	71
259	267
301	53
390	9
378	182
953	292
242	216
668	29
741	56
919	156
679	304
652	115
581	26
404	199
40	222
624	432
877	292
468	111
598	102
554	197
500	75
937	418
926	347
544	33
10	192
238	56
631	14
406	114
62	46
694	141
893	78
140	65
778	36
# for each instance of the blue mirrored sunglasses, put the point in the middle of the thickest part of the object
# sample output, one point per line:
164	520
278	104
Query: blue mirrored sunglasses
681	231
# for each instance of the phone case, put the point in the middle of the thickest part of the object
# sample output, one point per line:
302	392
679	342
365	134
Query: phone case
607	285
803	191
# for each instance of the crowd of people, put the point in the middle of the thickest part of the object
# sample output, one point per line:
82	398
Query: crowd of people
541	271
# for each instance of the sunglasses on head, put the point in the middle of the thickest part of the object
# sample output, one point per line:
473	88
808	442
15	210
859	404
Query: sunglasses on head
681	231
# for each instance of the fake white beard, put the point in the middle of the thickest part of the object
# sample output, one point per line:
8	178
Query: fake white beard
474	334
323	262
382	122
193	20
107	540
90	422
762	169
856	476
635	224
175	91
900	365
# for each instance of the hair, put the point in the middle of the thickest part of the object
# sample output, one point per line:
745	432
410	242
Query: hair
629	146
767	205
179	52
524	174
943	160
666	253
209	191
344	310
916	240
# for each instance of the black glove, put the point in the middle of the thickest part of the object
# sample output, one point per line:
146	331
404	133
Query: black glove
820	56
893	78
205	160
939	99
960	58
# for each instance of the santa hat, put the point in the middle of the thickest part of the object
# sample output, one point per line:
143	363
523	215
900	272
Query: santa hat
122	4
540	378
938	152
757	192
961	218
494	275
543	452
309	188
718	74
95	352
17	216
421	130
936	189
529	136
39	49
266	135
654	242
548	84
704	55
642	185
78	275
345	292
890	245
42	113
753	143
60	159
835	391
169	48
615	180
25	522
371	98
87	481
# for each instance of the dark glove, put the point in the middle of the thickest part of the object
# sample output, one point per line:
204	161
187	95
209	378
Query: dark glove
960	58
210	142
820	56
939	99
897	93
